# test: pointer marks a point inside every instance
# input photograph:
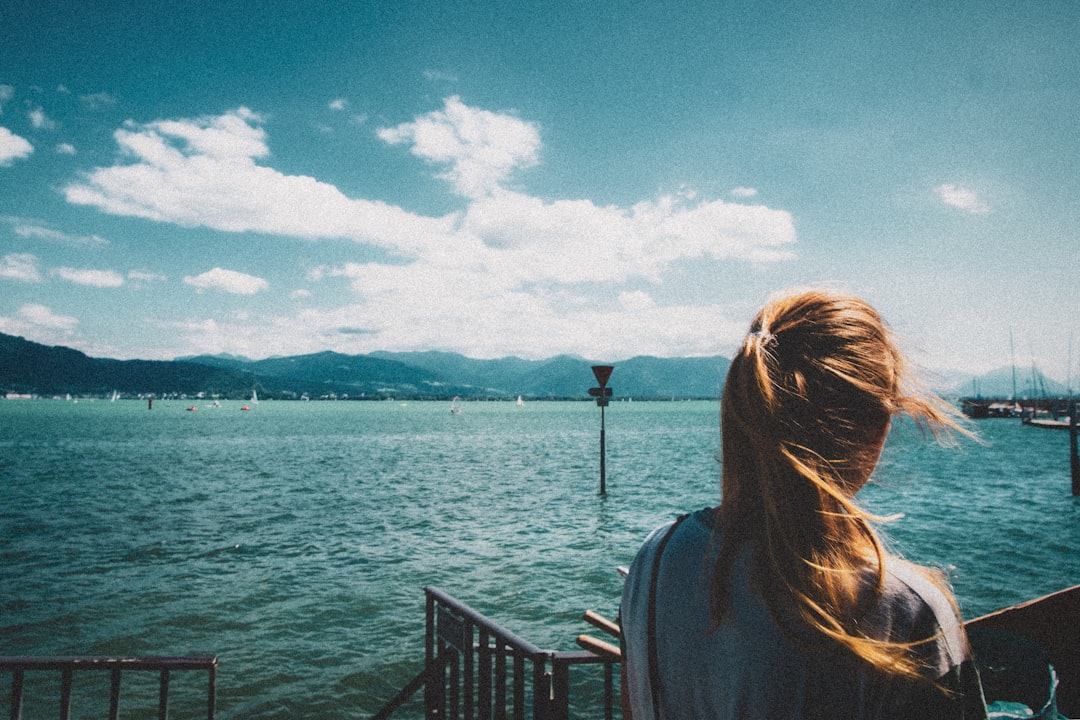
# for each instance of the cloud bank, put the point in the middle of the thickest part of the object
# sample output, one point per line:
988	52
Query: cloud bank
506	272
229	281
13	147
962	198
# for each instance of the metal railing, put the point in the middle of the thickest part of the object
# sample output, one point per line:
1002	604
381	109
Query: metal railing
67	666
473	668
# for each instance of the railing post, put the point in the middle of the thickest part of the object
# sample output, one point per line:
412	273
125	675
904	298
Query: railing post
65	693
163	695
211	701
114	695
16	694
483	685
429	658
609	698
541	690
469	680
560	690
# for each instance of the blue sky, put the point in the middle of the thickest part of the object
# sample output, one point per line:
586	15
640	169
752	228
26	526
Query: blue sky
601	179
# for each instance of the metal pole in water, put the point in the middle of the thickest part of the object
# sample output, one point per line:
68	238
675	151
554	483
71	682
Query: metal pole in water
1074	460
603	475
602	393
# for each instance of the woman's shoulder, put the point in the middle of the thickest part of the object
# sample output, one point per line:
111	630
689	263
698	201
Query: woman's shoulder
925	584
694	523
692	529
923	596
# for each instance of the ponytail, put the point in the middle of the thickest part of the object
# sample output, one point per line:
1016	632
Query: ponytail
806	407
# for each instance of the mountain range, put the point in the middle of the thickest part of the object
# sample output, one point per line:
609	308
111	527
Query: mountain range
31	368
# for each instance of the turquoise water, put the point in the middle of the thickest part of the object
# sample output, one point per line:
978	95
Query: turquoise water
293	541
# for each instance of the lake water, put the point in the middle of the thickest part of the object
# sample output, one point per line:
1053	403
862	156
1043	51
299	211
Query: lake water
293	541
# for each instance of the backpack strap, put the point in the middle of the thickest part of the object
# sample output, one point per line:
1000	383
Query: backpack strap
654	665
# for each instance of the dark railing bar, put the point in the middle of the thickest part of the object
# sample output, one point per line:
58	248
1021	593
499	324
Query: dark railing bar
519	687
411	689
211	709
114	695
163	695
65	692
483	683
502	634
609	699
16	694
68	665
541	691
470	676
479	662
59	662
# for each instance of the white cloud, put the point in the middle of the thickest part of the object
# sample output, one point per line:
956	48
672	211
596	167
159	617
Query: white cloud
439	76
44	317
338	104
229	281
636	301
39	120
13	147
962	198
66	149
528	240
508	272
32	318
744	192
44	233
96	101
202	173
481	325
481	147
145	276
90	278
20	266
6	93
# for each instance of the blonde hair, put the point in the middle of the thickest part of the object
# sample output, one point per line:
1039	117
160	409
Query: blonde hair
806	406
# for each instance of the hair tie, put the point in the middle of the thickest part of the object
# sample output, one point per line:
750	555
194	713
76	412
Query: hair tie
764	337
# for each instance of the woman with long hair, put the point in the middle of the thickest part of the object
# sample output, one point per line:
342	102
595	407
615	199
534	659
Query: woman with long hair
782	602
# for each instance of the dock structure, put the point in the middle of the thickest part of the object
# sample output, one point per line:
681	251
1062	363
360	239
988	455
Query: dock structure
1000	407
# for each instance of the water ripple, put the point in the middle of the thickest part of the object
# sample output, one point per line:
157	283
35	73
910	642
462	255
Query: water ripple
293	541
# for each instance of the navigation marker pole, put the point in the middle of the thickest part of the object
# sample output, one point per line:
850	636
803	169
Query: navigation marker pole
602	393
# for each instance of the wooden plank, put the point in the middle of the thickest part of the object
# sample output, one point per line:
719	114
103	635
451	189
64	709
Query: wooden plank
1053	621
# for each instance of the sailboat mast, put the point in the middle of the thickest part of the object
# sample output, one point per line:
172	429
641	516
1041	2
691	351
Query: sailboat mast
1068	370
1012	359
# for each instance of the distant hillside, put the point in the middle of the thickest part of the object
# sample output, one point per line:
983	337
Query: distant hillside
1000	383
28	367
568	376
